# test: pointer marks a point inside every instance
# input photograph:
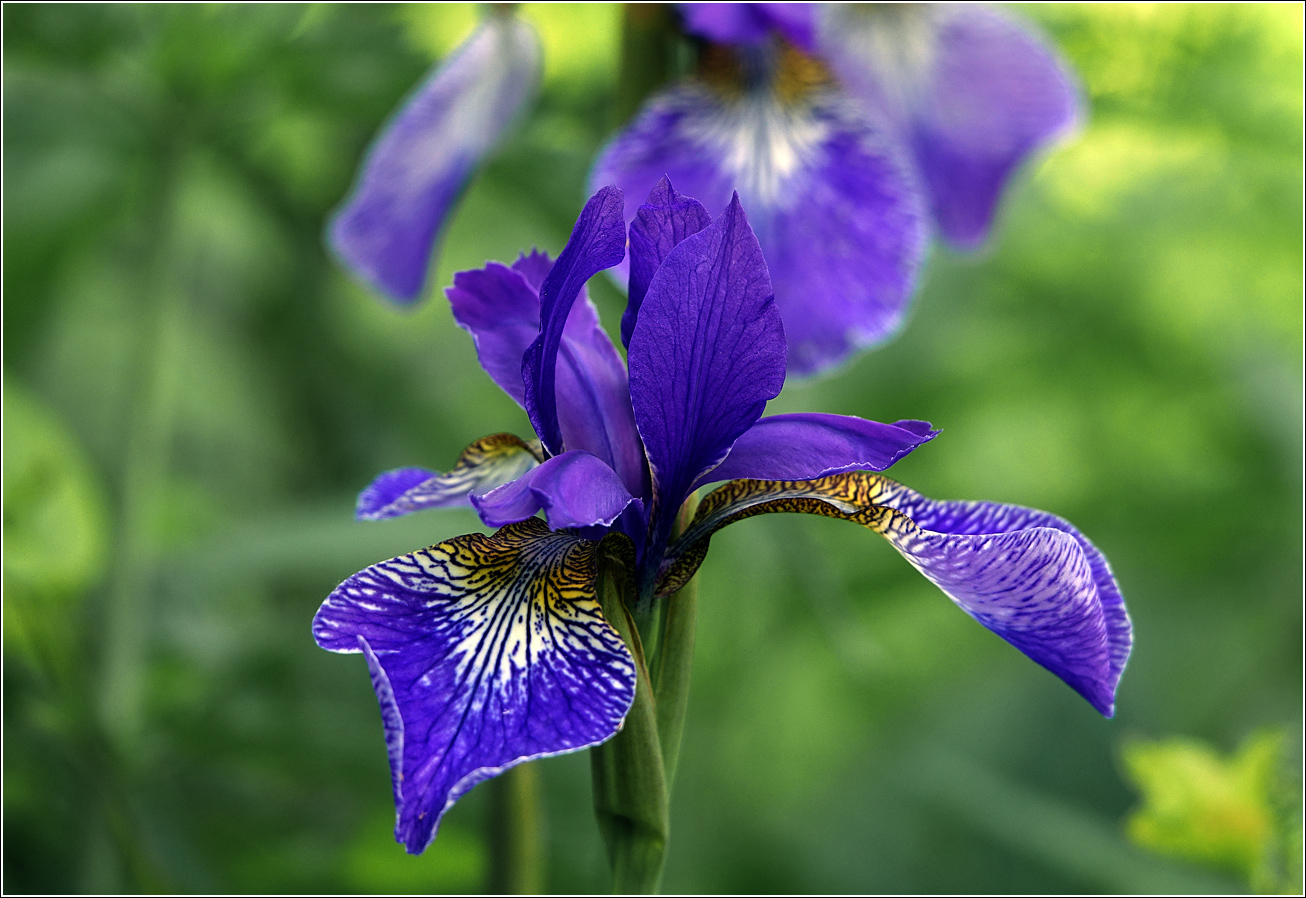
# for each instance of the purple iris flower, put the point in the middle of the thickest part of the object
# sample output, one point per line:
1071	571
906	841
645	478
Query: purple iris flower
851	132
488	651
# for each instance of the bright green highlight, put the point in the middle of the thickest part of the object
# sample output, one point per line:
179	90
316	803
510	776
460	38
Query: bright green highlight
1234	812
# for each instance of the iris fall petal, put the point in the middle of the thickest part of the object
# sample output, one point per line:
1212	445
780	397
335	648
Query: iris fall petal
1027	575
485	652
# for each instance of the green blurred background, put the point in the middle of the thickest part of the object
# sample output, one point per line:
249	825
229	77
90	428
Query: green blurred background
194	393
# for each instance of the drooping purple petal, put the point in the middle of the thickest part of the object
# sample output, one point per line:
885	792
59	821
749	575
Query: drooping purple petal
1027	575
750	23
574	489
808	446
974	91
485	652
664	220
707	353
967	518
423	157
500	307
839	215
482	466
598	241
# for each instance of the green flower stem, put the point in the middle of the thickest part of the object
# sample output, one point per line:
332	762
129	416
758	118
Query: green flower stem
675	656
630	789
516	837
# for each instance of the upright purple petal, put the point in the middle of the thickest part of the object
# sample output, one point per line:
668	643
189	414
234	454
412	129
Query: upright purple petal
484	652
707	353
424	156
659	225
500	307
574	489
974	91
1027	575
598	241
750	23
808	446
489	462
840	218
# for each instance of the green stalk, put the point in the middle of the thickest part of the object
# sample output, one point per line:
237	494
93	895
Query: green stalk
516	837
675	657
648	46
630	790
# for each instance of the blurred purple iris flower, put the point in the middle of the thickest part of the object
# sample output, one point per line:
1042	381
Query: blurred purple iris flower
851	132
488	651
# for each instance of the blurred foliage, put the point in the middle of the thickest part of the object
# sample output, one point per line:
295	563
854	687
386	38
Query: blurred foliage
1241	813
55	529
202	393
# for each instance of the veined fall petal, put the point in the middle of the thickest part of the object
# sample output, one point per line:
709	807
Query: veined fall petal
1027	575
419	163
487	463
835	208
485	652
973	91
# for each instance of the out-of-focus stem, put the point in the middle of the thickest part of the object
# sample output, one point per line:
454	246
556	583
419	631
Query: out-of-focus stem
149	441
648	44
516	833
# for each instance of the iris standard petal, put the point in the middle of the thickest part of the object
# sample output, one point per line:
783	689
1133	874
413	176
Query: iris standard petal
664	220
974	92
1028	576
574	489
418	165
707	353
597	241
808	446
839	215
482	466
750	23
484	652
500	307
501	310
